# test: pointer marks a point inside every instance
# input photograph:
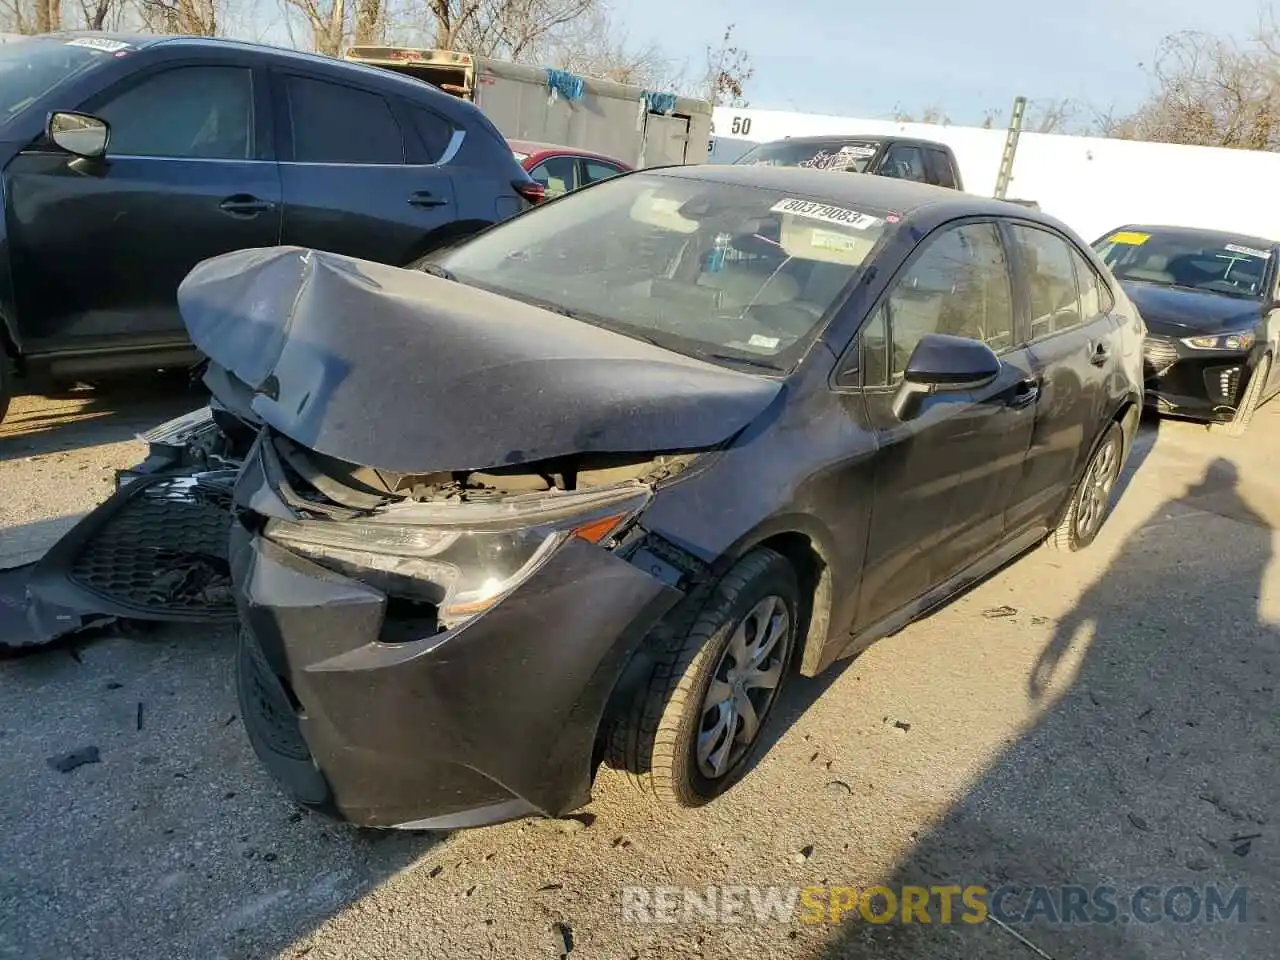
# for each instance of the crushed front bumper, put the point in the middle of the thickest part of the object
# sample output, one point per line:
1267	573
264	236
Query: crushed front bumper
409	726
1204	384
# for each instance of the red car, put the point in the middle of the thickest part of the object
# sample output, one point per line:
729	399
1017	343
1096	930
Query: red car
561	169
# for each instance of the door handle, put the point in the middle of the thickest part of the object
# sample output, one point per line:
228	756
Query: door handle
244	205
1025	392
425	198
1099	353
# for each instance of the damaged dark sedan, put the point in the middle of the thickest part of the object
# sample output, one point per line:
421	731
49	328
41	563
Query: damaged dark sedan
1210	305
590	486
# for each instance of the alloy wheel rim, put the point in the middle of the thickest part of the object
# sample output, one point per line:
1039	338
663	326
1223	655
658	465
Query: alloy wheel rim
1095	493
743	687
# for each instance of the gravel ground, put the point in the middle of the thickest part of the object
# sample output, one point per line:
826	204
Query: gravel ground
1108	718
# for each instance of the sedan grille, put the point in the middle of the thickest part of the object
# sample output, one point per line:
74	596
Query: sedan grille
163	552
1159	355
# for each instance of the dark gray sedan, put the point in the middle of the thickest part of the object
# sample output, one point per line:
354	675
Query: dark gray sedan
591	485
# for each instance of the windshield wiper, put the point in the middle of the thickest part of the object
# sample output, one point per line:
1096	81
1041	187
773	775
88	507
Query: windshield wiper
444	273
744	361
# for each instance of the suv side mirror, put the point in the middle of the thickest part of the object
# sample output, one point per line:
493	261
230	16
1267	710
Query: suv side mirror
940	363
79	134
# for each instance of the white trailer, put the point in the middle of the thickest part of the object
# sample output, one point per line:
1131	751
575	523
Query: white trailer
1093	184
641	127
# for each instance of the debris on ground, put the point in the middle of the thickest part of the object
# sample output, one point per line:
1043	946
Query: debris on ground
565	933
1138	822
839	788
1000	613
902	725
66	762
803	854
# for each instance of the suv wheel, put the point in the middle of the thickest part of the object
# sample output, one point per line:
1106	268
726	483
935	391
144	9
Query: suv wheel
722	658
1091	501
1236	426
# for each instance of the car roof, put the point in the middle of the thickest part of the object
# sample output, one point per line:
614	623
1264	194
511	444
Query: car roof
533	147
903	197
287	54
1197	234
868	137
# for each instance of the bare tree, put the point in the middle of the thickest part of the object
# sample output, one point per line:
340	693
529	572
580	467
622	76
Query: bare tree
1057	115
595	45
369	23
930	114
729	67
198	17
97	14
327	20
1211	91
507	29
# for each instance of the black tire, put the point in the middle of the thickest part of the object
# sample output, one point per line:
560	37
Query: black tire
657	743
271	724
1238	424
1091	499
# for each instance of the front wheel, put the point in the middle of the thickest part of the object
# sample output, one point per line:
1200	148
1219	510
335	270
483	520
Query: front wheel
1091	500
1236	426
722	658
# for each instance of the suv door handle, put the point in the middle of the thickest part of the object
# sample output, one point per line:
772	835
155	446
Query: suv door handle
244	205
425	198
1099	353
1025	392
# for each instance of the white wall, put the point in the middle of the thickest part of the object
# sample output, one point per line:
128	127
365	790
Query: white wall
1091	183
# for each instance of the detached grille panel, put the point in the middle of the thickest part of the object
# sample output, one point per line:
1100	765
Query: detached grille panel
164	551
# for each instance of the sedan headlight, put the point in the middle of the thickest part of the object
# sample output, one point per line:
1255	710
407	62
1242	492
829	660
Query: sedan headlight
1240	341
462	557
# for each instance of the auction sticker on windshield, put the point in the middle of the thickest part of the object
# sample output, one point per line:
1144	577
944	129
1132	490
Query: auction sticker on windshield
1251	251
99	43
1130	237
811	210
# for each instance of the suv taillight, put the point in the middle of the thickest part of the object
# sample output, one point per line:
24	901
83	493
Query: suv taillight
531	190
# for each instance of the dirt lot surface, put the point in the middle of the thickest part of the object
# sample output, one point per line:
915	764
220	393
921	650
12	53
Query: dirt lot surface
1105	718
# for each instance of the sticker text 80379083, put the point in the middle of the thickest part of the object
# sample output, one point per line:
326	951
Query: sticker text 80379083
812	210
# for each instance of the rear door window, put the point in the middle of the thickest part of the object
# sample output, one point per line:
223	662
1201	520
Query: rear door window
594	170
434	131
334	123
1095	297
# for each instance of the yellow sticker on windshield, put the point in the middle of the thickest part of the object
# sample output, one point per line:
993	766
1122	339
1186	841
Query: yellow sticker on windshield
1130	237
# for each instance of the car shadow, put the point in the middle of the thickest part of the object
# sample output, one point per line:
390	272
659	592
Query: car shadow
117	410
1151	763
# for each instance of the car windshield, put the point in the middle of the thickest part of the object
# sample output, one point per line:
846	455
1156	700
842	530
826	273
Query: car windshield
1183	260
852	156
31	68
737	275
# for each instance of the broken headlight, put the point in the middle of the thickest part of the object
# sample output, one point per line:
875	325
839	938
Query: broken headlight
461	557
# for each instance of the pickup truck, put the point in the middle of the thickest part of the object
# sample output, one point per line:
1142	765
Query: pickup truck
903	157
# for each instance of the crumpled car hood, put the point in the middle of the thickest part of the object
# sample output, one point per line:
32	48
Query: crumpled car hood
402	371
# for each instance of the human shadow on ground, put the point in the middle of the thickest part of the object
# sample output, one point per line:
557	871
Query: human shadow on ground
1154	765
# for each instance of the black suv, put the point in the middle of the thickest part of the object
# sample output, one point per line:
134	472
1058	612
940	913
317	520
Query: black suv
924	161
128	160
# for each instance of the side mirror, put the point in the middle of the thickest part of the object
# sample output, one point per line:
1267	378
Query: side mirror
79	133
941	363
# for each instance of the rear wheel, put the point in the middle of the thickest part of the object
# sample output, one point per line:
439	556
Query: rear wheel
1236	426
722	658
1091	501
